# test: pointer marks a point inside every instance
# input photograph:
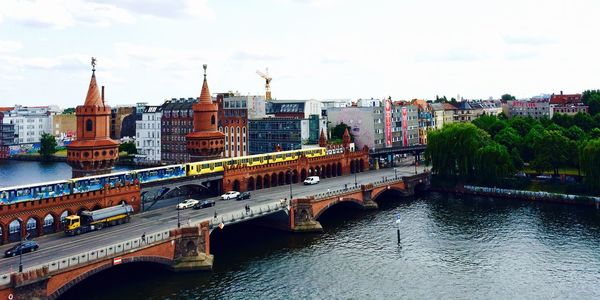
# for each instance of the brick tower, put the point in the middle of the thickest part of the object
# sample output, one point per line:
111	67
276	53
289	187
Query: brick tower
205	142
93	153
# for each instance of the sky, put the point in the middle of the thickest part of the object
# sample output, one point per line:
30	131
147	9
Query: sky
151	50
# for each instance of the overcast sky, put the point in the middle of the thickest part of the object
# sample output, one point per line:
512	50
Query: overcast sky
151	50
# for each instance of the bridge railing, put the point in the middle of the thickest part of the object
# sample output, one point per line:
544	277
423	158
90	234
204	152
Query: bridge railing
95	255
385	180
255	211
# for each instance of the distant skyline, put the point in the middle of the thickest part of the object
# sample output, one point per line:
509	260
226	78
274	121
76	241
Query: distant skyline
151	50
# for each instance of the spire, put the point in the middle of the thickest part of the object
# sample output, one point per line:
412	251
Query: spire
346	138
322	139
93	95
205	94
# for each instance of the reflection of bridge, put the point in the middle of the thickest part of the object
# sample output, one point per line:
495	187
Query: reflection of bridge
188	248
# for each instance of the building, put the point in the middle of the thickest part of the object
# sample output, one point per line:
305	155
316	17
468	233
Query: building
177	121
117	115
467	111
534	108
234	112
148	134
569	104
64	126
395	124
205	141
93	152
437	110
6	138
30	122
426	119
268	133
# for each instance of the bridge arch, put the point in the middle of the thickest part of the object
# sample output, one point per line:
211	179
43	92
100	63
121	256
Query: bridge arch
126	260
303	175
392	189
50	220
259	182
334	203
281	178
250	186
339	169
267	181
295	176
361	165
97	206
274	180
236	185
33	225
14	230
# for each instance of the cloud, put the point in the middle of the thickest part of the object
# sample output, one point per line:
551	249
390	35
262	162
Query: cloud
10	46
172	9
62	13
528	40
451	55
243	55
321	3
334	61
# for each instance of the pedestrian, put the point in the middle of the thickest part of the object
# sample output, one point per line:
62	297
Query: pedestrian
345	186
144	237
328	191
215	214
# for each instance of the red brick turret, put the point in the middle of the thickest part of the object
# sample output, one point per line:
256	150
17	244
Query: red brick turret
322	139
205	142
94	152
346	139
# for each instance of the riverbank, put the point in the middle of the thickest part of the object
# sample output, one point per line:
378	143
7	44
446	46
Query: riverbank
123	160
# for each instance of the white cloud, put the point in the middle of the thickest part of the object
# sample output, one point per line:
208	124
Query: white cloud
10	46
172	9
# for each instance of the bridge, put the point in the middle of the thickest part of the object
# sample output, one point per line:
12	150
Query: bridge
63	262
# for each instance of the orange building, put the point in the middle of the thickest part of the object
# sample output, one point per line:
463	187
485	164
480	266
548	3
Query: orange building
93	152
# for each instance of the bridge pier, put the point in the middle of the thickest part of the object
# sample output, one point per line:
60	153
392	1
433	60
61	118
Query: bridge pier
192	249
302	218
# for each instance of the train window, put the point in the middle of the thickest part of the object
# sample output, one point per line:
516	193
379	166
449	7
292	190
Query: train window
204	166
219	164
269	157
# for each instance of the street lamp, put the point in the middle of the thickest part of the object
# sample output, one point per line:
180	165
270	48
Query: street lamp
396	173
21	246
355	182
291	195
178	209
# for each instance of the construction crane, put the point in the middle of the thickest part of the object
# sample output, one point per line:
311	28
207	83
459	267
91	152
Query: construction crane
268	79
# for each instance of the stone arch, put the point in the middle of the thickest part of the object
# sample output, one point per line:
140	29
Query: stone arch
303	175
361	165
236	185
323	171
339	169
352	167
123	201
33	225
274	180
125	260
267	181
328	171
281	180
295	176
49	223
391	188
250	184
259	182
14	230
338	201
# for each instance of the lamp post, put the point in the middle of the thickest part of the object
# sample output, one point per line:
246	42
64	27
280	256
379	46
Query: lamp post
178	209
21	246
355	182
416	161
396	173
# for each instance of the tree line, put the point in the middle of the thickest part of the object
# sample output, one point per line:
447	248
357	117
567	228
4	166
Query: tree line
492	148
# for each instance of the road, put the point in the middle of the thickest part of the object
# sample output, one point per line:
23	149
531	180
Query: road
164	217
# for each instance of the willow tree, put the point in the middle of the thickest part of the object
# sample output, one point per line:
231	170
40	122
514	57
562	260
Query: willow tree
493	163
590	164
451	150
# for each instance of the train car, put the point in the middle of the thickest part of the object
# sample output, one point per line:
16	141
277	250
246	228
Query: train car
94	183
160	173
208	166
34	191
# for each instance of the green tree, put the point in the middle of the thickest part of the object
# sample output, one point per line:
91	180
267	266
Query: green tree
128	147
594	105
590	164
521	125
595	133
588	95
492	163
451	150
491	124
584	121
516	159
562	120
551	152
575	133
533	137
507	97
68	111
337	133
47	146
509	138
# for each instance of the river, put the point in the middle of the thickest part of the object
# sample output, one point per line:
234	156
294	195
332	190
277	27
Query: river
13	172
451	247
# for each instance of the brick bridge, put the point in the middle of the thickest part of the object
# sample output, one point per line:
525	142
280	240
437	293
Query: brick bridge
188	248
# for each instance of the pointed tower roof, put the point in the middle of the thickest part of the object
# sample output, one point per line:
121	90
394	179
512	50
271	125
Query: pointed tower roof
205	94
322	139
346	138
93	95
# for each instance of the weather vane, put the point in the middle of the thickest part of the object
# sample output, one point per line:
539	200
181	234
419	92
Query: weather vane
93	63
204	66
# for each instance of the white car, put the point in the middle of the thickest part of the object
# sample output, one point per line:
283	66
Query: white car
312	180
230	195
189	203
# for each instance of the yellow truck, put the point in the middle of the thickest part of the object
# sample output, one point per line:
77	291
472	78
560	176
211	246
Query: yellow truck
97	219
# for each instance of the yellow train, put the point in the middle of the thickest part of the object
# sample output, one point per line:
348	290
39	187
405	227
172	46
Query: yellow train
218	165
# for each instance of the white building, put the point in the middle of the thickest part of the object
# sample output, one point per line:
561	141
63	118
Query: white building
147	131
30	122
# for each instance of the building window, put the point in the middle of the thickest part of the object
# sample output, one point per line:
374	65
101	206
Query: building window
212	120
88	125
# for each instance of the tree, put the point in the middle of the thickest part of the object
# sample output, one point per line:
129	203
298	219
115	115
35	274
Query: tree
595	133
516	159
529	141
491	124
492	163
521	125
128	147
551	152
594	105
47	146
584	121
451	150
562	120
575	133
590	164
507	97
587	95
69	111
509	138
337	133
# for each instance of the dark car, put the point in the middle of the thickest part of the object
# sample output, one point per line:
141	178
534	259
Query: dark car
243	196
204	204
27	246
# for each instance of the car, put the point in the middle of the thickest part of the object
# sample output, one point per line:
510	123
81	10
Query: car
27	246
312	180
204	204
189	203
243	196
230	195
